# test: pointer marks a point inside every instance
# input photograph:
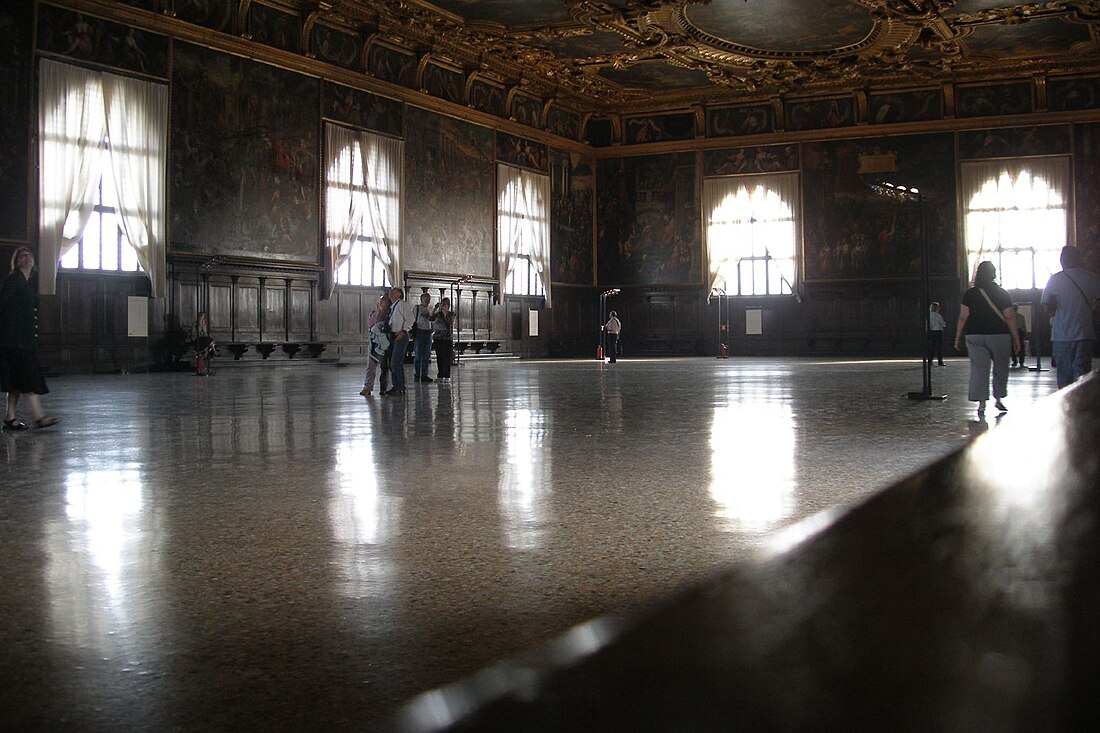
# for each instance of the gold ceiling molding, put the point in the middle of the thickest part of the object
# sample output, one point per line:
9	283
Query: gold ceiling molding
610	58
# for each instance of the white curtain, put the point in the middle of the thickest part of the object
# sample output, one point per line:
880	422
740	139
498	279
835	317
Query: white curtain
1015	204
752	216
137	128
79	113
523	222
71	127
363	176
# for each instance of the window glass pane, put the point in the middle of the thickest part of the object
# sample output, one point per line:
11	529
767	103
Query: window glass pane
91	245
1019	223
110	244
129	258
71	259
751	233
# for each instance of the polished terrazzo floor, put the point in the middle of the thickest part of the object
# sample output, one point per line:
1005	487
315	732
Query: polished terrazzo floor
265	549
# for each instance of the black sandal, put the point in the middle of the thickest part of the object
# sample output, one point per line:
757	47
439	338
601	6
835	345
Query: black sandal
14	424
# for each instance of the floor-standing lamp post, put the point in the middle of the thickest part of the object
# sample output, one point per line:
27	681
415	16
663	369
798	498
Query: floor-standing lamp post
723	349
909	194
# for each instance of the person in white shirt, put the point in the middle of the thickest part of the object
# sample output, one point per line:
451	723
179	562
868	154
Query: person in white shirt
401	320
936	325
612	329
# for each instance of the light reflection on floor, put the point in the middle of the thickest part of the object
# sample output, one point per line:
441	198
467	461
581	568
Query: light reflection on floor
266	546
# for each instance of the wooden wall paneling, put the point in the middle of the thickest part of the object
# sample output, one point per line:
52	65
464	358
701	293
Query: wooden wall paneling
186	287
219	307
351	322
301	311
247	315
273	323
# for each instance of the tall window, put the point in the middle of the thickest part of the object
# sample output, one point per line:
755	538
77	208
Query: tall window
1016	216
103	158
524	278
362	207
523	231
103	245
752	233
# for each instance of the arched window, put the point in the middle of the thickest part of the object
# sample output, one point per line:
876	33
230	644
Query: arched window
752	233
1016	216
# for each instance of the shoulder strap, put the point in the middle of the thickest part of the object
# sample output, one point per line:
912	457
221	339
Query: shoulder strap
990	301
1079	289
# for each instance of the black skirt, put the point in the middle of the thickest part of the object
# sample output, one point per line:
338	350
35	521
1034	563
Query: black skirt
20	372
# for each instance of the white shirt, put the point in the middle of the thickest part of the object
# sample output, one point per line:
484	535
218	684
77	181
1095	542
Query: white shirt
401	316
614	326
935	321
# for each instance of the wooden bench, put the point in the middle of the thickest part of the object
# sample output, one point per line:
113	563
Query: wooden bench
265	349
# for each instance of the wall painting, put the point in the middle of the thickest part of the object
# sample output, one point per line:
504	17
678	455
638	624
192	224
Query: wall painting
274	28
755	159
101	42
388	64
450	196
443	83
918	106
243	169
361	109
336	47
572	183
852	233
995	99
487	97
820	114
648	221
658	128
1087	192
563	122
731	121
217	15
1014	142
526	110
15	74
523	153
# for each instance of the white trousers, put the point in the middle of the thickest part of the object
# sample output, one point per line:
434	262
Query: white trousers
987	349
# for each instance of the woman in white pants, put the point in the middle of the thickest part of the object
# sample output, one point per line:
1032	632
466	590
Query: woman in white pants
988	321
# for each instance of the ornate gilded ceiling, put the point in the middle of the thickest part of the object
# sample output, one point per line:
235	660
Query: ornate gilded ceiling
634	55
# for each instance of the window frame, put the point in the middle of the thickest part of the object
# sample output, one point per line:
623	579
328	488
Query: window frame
760	255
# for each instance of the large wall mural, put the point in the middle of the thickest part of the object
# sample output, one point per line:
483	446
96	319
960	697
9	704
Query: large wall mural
573	184
1087	193
101	42
15	24
450	177
243	167
852	233
649	227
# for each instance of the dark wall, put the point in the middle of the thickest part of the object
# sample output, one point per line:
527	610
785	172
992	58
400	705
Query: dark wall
246	231
861	292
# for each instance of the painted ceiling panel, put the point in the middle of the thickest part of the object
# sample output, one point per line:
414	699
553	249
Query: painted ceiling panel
1038	37
784	25
507	12
609	57
655	75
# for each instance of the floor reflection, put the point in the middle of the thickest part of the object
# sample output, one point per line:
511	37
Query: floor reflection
99	557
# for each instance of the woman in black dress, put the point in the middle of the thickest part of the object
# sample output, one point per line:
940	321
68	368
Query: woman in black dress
20	373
